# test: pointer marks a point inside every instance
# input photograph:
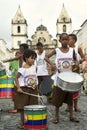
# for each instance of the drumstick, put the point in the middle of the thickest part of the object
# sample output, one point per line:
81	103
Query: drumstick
31	94
36	96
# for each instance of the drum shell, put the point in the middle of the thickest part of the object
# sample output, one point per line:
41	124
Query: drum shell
68	86
36	117
3	74
6	88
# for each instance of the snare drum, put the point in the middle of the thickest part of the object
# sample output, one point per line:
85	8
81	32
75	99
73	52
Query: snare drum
69	81
36	117
6	88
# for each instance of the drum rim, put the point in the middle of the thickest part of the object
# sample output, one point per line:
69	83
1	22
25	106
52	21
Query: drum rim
34	107
70	81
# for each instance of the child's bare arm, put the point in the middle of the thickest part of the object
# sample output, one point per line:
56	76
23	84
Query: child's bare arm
12	59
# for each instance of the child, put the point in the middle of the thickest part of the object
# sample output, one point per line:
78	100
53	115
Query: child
21	62
79	54
63	55
19	57
41	64
26	80
45	86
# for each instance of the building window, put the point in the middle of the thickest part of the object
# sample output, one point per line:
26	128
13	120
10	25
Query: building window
64	28
19	29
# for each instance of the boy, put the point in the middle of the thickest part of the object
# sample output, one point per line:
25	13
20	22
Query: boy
63	55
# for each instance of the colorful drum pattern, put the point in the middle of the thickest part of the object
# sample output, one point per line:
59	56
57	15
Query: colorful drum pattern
36	117
6	88
3	74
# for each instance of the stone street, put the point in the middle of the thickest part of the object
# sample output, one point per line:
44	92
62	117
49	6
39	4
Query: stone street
8	120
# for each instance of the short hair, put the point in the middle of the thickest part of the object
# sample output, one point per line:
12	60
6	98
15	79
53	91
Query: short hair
73	36
39	44
29	53
62	35
24	46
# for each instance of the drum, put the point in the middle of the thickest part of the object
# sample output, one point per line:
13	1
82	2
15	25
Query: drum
36	117
6	88
3	74
69	81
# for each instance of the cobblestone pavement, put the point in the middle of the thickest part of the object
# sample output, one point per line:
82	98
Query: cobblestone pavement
8	120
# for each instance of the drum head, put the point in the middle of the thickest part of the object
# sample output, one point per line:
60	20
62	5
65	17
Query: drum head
34	107
71	77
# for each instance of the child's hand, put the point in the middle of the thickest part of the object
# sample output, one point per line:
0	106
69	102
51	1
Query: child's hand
19	90
53	67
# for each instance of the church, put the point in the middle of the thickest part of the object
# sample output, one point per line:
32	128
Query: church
19	34
20	27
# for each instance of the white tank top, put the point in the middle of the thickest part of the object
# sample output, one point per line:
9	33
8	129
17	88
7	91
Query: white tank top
63	62
41	65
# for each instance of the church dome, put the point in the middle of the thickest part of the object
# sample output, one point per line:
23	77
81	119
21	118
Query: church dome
41	27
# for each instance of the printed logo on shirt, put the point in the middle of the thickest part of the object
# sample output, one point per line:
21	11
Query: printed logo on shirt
40	62
30	81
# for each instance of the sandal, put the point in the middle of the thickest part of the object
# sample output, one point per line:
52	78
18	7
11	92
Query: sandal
55	120
74	120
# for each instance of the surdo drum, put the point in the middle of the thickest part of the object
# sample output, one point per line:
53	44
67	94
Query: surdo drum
69	81
36	117
6	88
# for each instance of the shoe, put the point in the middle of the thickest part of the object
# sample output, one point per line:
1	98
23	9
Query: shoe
55	121
74	120
13	111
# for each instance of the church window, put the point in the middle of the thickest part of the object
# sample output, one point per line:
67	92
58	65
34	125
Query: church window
19	29
64	28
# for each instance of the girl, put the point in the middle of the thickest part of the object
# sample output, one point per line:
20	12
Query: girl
26	80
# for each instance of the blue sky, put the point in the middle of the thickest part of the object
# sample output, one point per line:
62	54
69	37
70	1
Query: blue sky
40	11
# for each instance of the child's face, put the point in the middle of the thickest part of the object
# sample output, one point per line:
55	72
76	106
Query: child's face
30	60
71	41
40	49
64	40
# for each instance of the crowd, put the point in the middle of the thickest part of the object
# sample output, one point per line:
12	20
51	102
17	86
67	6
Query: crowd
30	72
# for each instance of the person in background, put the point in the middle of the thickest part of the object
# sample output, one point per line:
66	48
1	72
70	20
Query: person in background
18	57
78	56
63	55
26	81
42	71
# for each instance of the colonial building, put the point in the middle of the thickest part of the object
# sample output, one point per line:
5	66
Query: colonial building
42	35
19	29
63	24
82	37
